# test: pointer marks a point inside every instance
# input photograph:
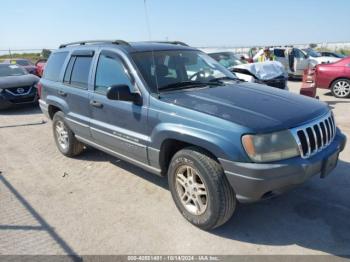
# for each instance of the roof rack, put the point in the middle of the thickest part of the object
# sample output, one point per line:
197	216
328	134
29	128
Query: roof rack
171	42
116	42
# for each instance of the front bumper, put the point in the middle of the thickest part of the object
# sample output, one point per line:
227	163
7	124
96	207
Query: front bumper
254	181
8	100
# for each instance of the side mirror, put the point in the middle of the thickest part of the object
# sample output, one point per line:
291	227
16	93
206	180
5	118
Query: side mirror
122	93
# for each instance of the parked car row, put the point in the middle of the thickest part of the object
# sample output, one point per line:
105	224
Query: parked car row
177	112
270	73
35	69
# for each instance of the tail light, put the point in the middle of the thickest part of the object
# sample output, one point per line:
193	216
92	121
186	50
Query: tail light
39	86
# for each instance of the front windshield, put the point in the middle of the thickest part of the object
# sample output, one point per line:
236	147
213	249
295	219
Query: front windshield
164	69
20	62
312	53
227	60
11	70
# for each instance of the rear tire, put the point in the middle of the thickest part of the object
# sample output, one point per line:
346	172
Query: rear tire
65	139
341	88
200	188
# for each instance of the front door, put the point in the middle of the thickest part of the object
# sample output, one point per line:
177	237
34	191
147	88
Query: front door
301	62
117	125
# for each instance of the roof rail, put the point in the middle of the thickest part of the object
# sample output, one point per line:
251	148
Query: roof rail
116	42
171	42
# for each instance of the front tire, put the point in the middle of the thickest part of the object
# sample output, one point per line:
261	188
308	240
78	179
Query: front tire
341	88
200	188
65	140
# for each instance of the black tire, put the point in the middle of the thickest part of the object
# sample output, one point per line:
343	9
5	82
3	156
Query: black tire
74	147
340	94
221	200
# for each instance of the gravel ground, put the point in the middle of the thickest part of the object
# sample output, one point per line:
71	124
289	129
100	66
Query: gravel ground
97	204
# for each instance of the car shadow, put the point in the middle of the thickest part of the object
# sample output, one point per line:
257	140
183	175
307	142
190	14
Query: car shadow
314	216
30	109
95	155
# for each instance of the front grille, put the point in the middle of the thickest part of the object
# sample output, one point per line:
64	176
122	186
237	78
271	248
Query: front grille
315	136
19	91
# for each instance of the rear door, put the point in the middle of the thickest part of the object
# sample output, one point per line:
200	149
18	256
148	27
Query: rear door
117	125
75	91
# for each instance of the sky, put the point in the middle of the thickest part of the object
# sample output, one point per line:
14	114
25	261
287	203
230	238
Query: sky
26	24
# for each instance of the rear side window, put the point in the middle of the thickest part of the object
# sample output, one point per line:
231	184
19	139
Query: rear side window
279	52
54	66
77	73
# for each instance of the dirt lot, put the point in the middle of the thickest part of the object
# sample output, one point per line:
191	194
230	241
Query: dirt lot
96	204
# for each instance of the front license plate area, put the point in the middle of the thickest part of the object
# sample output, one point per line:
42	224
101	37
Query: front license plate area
329	164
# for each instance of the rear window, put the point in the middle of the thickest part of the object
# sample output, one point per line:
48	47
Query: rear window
77	73
54	66
279	52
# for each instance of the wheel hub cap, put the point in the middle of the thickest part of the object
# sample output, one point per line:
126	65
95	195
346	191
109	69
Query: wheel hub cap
191	190
62	135
342	88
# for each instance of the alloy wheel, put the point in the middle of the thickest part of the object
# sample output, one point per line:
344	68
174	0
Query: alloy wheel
62	135
191	190
342	88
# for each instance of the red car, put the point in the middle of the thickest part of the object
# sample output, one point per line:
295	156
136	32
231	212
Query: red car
334	76
40	66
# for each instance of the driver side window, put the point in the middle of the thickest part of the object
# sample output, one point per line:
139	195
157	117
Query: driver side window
299	54
110	71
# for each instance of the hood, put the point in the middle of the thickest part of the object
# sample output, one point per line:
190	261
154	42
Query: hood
257	107
265	70
325	59
18	81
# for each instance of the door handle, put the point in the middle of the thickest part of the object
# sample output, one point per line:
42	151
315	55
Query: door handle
62	93
96	104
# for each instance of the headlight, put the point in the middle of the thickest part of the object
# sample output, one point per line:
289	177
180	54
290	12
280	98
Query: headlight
270	147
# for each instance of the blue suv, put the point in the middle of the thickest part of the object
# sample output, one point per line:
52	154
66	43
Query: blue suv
176	112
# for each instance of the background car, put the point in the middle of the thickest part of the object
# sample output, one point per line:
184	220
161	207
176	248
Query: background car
334	76
317	58
25	63
332	54
17	86
270	73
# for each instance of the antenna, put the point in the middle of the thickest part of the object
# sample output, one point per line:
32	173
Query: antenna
150	39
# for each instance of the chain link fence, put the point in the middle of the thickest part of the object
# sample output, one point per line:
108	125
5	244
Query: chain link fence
340	47
35	54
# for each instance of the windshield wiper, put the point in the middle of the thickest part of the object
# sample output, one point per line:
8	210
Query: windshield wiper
220	79
187	84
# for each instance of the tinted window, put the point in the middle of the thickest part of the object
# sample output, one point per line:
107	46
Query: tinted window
54	66
278	52
68	72
80	72
110	71
299	54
